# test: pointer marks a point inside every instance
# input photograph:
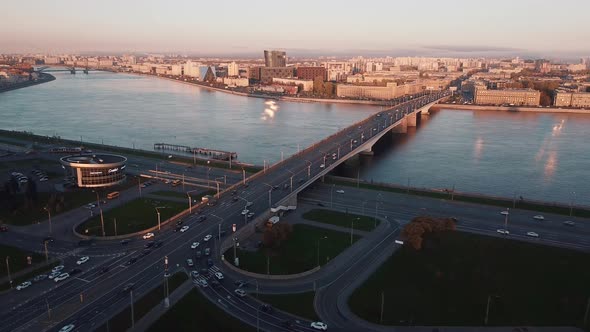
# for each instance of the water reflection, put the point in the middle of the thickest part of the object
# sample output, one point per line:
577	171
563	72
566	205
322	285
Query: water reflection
478	149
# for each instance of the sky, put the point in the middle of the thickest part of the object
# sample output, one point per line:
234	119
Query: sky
302	27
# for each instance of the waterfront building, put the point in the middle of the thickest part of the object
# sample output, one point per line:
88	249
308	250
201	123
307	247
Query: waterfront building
236	81
95	170
268	73
390	91
572	99
310	73
519	97
233	69
307	85
275	58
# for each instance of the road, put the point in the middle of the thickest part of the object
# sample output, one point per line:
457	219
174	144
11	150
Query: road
100	294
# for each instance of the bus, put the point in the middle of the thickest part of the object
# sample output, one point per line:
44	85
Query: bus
113	195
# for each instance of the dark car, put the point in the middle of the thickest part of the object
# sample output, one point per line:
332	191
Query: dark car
204	272
201	218
235	192
149	244
104	270
146	252
124	242
131	261
158	244
321	204
178	223
75	271
209	262
235	199
215	284
177	228
48	239
266	308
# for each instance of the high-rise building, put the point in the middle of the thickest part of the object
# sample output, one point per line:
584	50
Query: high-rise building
275	58
233	69
310	73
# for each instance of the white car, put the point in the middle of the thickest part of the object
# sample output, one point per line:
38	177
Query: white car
207	237
569	223
61	277
83	260
184	229
23	285
245	212
504	213
240	292
67	328
148	236
195	245
203	283
54	274
503	231
532	234
219	275
539	217
340	191
195	274
322	166
57	268
319	326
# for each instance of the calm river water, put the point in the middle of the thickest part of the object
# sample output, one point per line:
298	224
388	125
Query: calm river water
540	156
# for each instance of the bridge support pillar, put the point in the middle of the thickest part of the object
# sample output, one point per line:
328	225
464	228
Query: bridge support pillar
401	127
413	118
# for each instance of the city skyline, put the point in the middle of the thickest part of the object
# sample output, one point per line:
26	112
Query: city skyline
458	28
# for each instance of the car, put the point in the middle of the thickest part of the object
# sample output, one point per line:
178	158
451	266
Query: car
54	274
245	212
319	326
131	261
67	328
104	270
57	268
198	254
207	251
207	237
320	204
539	217
204	272
128	287
184	229
48	239
124	242
240	292
504	213
503	231
83	260
340	191
234	199
75	271
177	228
201	218
148	235
43	179
194	245
158	244
40	278
189	262
248	204
215	284
194	273
234	192
322	165
149	244
209	262
203	283
250	215
219	275
532	234
569	223
61	277
266	308
24	285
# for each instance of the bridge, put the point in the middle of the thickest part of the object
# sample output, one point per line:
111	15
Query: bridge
72	70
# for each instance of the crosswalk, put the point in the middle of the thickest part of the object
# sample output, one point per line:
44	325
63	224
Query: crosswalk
208	277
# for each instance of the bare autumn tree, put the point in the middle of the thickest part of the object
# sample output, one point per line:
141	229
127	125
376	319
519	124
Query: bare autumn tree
274	236
414	231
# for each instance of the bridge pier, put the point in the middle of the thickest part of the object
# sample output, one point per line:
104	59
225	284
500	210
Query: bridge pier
413	118
401	127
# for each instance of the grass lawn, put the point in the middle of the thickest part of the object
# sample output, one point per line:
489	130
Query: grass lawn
300	304
341	219
134	216
122	321
449	281
26	214
298	253
195	313
17	260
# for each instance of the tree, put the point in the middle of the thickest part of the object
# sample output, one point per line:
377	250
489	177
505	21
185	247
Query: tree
414	231
274	236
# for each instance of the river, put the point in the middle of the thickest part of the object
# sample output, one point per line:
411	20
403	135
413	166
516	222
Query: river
537	156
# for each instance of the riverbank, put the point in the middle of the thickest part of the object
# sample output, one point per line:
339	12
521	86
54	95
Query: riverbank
43	78
509	108
281	98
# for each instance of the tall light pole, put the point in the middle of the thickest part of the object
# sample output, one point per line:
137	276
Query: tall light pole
8	269
167	299
218	229
318	246
208	169
190	200
139	184
49	218
158	212
101	216
506	218
243	176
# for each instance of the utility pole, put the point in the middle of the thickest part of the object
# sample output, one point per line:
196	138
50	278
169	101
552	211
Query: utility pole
139	185
485	322
382	305
8	269
115	222
48	309
46	253
132	313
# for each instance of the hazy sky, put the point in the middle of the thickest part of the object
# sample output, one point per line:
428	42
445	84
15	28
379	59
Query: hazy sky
299	26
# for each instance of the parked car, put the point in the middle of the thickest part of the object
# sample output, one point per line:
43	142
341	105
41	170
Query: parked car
57	268
24	285
40	278
61	277
75	271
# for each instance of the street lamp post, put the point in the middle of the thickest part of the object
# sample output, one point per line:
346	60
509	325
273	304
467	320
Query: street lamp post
158	212
506	218
167	299
208	169
318	246
49	218
101	216
8	269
